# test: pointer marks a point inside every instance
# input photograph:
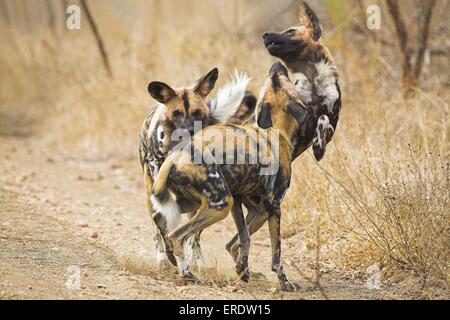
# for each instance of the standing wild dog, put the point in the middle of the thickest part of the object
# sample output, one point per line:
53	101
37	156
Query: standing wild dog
173	119
315	76
229	175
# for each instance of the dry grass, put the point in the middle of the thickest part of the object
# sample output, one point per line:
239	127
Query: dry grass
402	210
376	195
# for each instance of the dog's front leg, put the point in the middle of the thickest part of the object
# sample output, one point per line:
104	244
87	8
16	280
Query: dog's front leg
324	133
161	235
162	247
274	229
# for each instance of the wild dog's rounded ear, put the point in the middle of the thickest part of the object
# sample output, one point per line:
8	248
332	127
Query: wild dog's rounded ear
161	91
311	21
263	117
206	83
246	108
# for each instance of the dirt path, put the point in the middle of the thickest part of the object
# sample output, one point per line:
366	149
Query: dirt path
59	216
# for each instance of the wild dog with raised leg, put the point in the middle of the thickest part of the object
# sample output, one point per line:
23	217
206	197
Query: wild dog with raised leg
178	109
312	68
315	76
218	186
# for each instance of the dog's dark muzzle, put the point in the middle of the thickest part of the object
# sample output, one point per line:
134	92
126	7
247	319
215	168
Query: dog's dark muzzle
270	40
279	44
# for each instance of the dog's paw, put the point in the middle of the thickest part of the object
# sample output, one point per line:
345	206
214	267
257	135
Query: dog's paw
242	271
245	276
288	286
188	277
319	150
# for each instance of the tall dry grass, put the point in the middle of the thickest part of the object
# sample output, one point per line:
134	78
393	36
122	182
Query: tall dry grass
401	208
55	88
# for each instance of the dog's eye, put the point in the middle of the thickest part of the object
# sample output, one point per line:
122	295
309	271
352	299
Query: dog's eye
291	32
176	113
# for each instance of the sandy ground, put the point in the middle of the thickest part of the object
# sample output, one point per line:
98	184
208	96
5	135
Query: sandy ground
59	216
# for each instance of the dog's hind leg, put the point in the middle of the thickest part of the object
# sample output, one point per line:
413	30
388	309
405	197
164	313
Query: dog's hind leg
274	230
255	219
244	240
206	215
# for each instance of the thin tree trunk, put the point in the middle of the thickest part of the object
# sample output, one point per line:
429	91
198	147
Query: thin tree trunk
402	35
98	38
51	15
423	34
413	52
5	10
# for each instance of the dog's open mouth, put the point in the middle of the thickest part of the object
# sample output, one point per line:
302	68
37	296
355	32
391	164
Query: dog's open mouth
272	45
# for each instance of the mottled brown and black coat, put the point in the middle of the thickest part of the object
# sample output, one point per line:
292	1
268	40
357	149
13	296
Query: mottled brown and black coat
313	69
216	185
172	120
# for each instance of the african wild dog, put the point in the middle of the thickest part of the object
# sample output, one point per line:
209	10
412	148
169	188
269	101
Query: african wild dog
315	75
313	69
178	109
218	185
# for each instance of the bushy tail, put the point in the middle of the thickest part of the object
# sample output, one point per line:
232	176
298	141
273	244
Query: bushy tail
227	101
163	201
160	189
